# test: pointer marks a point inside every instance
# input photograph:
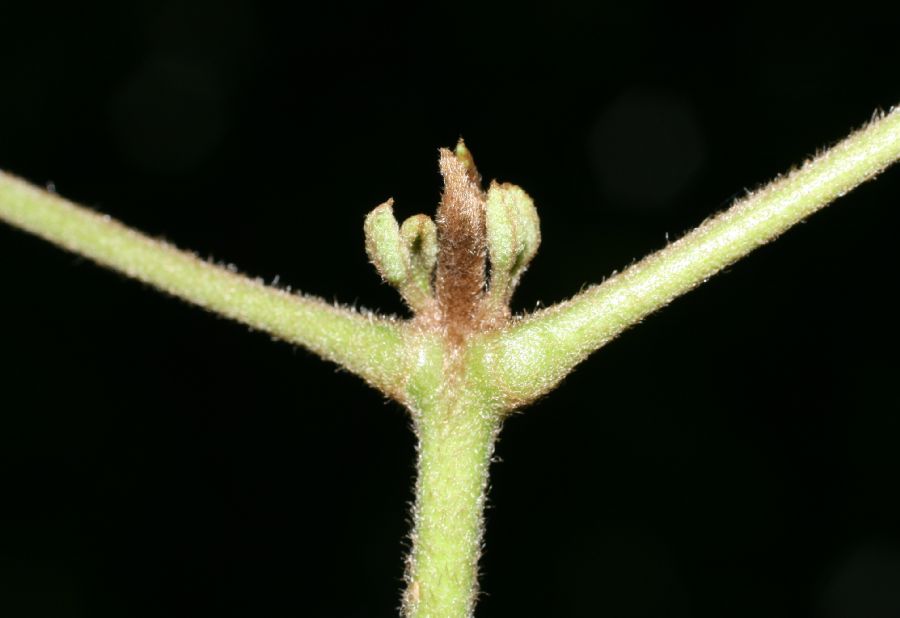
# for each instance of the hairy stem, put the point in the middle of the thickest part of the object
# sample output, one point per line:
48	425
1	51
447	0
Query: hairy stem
539	350
456	441
458	372
368	346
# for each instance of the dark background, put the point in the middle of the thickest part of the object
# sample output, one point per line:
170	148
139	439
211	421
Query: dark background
736	455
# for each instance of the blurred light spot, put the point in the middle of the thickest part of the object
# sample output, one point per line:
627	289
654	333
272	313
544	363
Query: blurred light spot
867	585
169	116
646	148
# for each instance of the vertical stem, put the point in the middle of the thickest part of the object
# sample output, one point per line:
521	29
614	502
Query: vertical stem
456	441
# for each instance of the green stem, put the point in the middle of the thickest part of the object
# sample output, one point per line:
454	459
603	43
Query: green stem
366	345
535	353
456	441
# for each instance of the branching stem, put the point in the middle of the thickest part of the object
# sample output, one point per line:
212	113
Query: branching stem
536	352
457	366
365	344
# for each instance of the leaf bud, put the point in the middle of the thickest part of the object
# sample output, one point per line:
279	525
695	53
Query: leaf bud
419	235
513	235
385	246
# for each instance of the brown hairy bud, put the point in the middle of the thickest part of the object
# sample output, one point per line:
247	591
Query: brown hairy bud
459	284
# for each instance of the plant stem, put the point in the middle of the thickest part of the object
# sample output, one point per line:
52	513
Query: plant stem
369	346
456	441
459	374
535	353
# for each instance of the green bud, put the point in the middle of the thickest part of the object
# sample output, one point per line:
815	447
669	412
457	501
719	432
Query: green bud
420	237
513	235
528	226
502	235
385	247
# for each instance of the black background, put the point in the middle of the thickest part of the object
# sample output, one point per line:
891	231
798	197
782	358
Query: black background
736	455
